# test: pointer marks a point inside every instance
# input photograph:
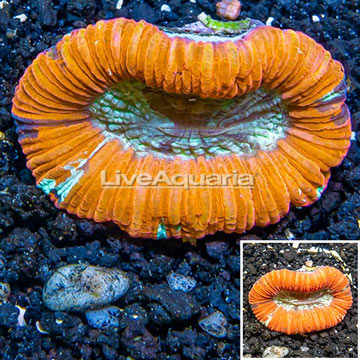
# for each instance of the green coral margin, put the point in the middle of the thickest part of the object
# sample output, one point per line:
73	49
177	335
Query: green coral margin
161	232
227	27
319	191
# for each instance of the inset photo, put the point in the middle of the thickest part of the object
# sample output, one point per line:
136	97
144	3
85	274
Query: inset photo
299	299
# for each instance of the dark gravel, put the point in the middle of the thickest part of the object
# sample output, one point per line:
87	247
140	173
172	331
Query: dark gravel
36	238
340	341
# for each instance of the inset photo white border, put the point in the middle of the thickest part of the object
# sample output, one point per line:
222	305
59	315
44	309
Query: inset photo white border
315	253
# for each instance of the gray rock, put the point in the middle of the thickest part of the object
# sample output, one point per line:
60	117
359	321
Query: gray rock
9	315
80	287
304	348
217	249
275	352
48	16
145	12
4	292
178	305
214	324
104	318
131	313
181	282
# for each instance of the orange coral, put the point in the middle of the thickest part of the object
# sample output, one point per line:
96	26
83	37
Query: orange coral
126	97
296	302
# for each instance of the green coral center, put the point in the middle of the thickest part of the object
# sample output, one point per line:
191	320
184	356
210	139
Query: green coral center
152	121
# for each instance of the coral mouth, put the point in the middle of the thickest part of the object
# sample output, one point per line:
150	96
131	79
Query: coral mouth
298	301
166	124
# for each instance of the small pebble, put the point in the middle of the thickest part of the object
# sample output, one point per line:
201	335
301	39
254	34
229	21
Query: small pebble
39	328
171	305
217	249
181	282
228	9
104	318
9	315
21	17
48	16
289	235
269	21
214	324
4	292
3	4
308	263
165	7
119	4
315	18
143	11
10	33
304	348
80	287
133	312
313	250
21	321
275	352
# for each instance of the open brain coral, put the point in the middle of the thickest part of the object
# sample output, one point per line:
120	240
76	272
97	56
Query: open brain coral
124	97
296	302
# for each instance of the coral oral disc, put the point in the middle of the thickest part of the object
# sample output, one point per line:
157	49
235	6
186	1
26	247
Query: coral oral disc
168	125
215	99
292	300
300	302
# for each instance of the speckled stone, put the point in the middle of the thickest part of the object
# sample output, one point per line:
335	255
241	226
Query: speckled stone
82	287
104	318
4	291
180	282
275	352
214	324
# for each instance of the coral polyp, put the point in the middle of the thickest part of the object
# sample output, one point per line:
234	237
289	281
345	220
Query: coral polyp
296	302
126	98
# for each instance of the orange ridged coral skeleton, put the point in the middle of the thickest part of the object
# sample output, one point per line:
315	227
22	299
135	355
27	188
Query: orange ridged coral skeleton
125	96
295	302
